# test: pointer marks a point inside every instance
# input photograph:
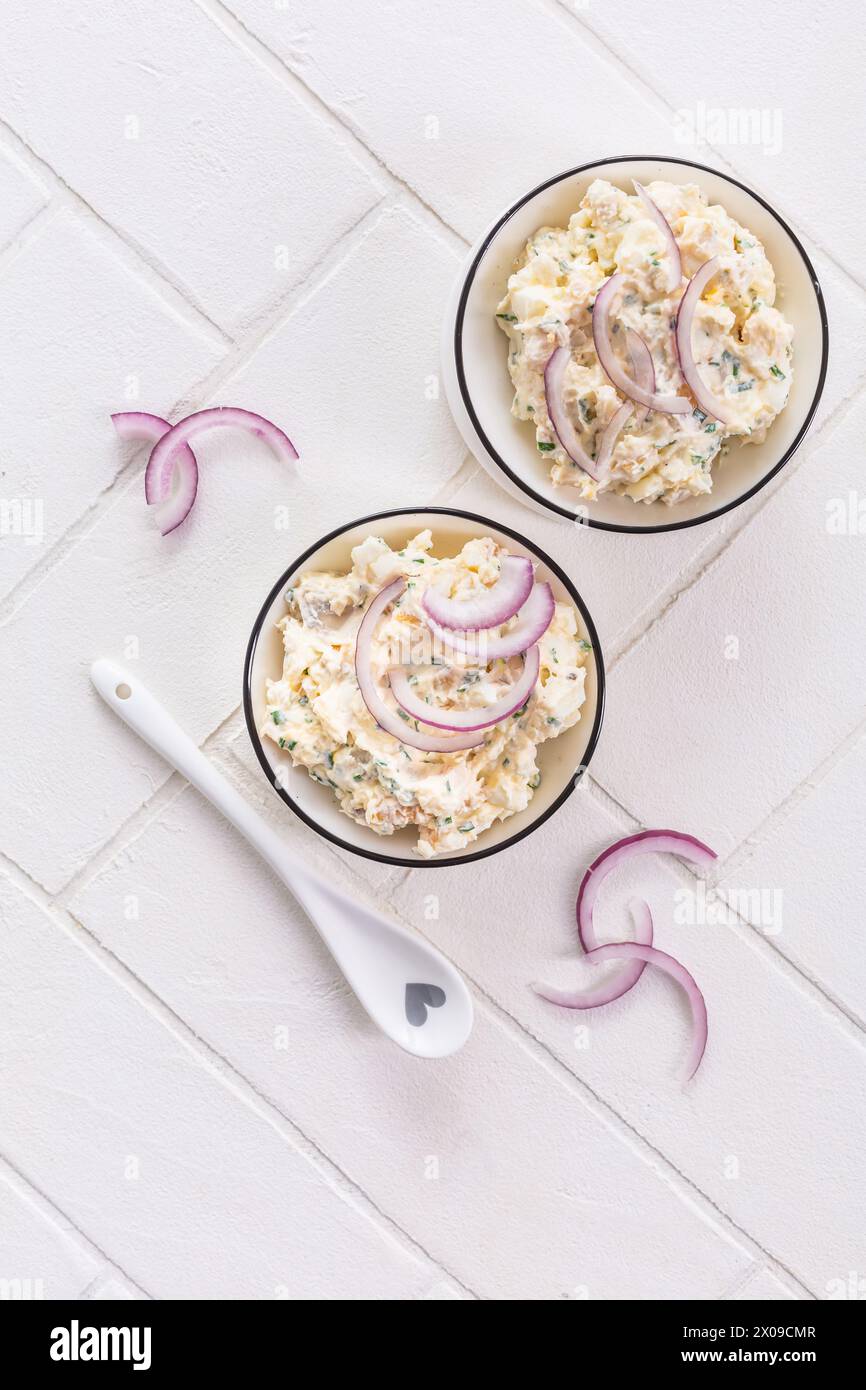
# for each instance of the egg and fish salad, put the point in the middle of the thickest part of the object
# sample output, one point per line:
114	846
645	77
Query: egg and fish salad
317	714
736	356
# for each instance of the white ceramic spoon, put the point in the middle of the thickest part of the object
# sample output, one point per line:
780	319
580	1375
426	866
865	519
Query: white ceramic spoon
415	996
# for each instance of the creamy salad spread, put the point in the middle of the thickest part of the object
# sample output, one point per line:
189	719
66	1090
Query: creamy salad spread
316	713
741	343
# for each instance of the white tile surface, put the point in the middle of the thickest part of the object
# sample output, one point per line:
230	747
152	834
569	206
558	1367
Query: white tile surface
39	1259
156	1156
289	181
373	427
21	197
440	1149
84	337
764	1286
116	594
724	1126
754	673
812	861
218	171
444	115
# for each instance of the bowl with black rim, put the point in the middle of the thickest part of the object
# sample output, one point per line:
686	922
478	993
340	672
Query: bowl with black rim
561	760
479	388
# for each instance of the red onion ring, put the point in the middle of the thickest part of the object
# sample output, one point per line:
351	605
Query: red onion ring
533	620
465	721
642	952
643	368
685	319
490	608
645	842
160	465
649	955
140	424
388	719
670	405
565	431
675	269
611	988
609	437
644	375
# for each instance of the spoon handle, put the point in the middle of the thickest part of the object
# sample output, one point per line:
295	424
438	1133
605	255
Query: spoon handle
133	703
395	974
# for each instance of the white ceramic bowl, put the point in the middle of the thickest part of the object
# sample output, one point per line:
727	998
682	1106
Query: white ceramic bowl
561	760
479	388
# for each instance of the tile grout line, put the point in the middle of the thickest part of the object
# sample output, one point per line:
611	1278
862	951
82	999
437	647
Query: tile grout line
225	1074
751	843
29	232
27	1191
706	557
740	1286
149	266
237	32
769	493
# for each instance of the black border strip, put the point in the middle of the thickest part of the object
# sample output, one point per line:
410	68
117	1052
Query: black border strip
467	399
484	522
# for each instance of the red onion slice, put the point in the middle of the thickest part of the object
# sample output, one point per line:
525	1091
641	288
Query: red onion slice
645	842
388	719
466	720
490	608
604	300
640	952
675	269
685	319
565	431
612	987
609	437
643	368
140	424
533	620
157	478
650	955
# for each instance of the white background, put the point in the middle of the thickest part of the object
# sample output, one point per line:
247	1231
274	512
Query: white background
264	204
